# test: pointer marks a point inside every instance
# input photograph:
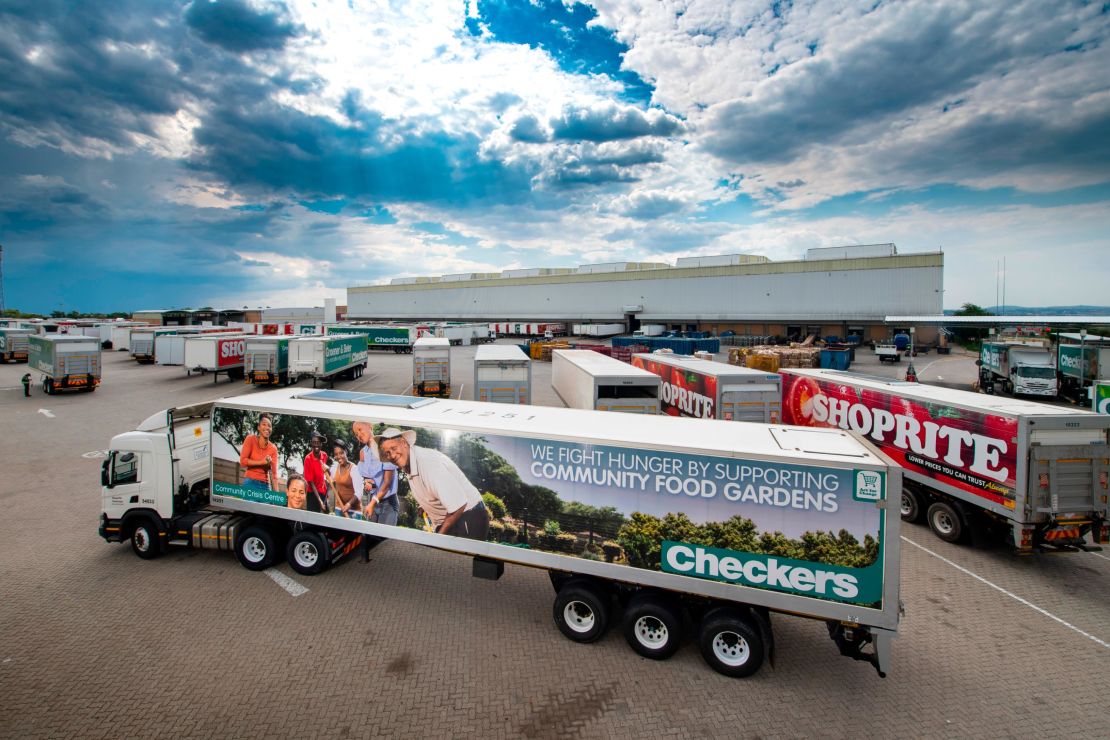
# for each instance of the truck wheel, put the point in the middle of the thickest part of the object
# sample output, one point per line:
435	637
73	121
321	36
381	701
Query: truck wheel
652	626
729	644
145	540
306	553
255	548
945	522
911	507
581	611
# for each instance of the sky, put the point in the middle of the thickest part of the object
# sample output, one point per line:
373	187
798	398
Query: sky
188	154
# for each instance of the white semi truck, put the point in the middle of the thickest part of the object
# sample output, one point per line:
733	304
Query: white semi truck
704	523
972	462
1017	369
585	379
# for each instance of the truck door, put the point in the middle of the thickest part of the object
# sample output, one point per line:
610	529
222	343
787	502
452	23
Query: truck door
758	403
125	486
1067	479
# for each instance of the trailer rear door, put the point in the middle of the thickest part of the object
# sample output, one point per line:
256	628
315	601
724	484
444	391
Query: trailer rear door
1067	475
760	403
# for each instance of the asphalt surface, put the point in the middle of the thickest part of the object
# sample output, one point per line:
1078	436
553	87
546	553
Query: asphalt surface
98	643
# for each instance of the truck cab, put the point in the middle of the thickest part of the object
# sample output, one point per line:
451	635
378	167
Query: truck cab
155	475
1035	376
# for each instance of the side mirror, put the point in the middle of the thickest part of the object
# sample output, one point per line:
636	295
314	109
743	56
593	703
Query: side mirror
104	477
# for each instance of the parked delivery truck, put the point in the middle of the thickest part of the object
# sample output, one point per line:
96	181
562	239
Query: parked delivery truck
431	367
1080	366
585	379
328	357
1038	471
396	338
14	344
266	360
697	514
66	362
1017	369
502	374
215	354
706	389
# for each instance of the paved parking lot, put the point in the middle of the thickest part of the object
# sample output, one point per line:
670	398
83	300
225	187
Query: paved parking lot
97	643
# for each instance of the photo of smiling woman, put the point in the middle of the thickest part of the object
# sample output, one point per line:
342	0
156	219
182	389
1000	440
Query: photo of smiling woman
296	492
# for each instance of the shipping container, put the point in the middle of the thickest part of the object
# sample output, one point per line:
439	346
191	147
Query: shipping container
66	362
972	462
502	374
14	344
431	367
706	389
589	380
670	496
328	357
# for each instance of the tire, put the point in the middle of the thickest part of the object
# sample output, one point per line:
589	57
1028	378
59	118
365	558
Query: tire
730	644
145	539
652	626
945	522
581	612
306	553
255	548
911	507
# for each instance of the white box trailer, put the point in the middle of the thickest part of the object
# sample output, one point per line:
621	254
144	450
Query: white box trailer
328	357
585	379
599	330
502	374
65	361
973	462
266	361
650	330
706	389
142	342
431	367
14	344
670	496
169	349
525	329
215	353
121	336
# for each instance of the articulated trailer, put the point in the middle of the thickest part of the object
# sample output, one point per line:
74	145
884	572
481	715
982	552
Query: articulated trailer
431	367
502	374
713	390
585	379
328	357
972	462
215	354
707	523
266	361
399	339
14	345
66	362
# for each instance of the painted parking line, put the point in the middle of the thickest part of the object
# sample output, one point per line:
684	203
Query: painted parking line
47	413
460	391
295	589
1097	555
1012	595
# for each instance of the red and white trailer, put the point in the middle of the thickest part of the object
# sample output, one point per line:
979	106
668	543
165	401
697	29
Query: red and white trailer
212	353
517	329
970	459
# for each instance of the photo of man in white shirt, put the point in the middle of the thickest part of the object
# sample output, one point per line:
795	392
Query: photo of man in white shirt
441	489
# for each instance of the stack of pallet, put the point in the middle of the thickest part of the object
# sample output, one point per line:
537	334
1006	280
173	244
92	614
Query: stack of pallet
542	350
770	358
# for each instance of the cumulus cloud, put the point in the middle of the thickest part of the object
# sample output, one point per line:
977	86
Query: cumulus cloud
608	122
239	26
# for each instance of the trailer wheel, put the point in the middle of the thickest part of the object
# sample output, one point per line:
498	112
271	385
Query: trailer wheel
255	548
730	644
652	626
911	506
145	540
945	522
306	553
581	611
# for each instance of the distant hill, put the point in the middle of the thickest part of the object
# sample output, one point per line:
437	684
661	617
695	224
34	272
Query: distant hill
1044	310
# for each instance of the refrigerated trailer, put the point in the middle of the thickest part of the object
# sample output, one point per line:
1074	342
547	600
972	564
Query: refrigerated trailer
972	462
169	349
598	330
142	343
216	353
328	357
14	344
687	505
713	390
585	379
1080	366
431	367
502	374
266	361
66	362
399	339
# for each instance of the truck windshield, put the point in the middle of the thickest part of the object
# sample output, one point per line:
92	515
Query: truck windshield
1037	372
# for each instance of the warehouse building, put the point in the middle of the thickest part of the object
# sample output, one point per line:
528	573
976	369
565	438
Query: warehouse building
833	291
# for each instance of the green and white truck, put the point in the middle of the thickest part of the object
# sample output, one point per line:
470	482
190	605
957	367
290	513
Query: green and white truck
67	362
266	361
1080	366
327	357
666	527
1017	369
399	339
14	345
